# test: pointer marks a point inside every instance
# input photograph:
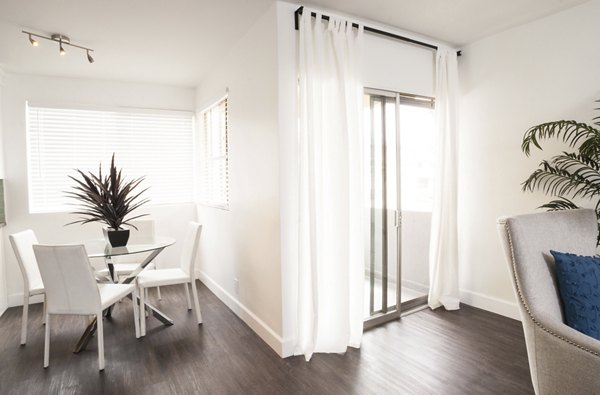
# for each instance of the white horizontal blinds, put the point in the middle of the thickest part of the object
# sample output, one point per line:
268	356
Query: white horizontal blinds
214	172
157	145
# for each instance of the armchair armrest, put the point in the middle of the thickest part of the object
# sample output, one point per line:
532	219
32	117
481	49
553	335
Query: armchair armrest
565	358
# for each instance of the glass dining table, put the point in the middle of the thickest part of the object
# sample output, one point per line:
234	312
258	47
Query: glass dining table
101	249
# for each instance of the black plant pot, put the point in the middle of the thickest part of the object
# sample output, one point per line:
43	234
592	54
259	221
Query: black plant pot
116	238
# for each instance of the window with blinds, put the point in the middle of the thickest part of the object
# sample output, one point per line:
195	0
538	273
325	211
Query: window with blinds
154	144
214	171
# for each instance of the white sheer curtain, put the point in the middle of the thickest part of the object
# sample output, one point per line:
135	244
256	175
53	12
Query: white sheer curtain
331	206
443	252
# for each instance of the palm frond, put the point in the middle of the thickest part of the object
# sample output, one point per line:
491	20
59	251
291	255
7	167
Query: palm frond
560	177
561	203
570	132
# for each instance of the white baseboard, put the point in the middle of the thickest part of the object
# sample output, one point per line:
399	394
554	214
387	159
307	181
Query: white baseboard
489	303
254	322
17	299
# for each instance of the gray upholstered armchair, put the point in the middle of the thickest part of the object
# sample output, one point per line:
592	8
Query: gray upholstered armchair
561	359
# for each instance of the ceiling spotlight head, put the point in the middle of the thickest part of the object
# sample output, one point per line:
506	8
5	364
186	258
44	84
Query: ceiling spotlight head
33	41
62	50
90	59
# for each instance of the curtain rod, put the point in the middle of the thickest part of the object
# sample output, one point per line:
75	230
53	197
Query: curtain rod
371	30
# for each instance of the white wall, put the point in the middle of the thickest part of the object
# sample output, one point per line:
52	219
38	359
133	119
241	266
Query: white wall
396	66
3	288
243	242
545	70
17	89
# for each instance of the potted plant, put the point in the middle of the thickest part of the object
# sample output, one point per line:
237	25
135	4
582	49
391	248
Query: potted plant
109	199
568	175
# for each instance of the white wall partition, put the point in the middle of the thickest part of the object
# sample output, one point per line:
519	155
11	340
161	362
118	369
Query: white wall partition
3	287
542	71
49	227
240	251
397	66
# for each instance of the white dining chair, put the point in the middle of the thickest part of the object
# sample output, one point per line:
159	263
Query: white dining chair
184	274
22	244
71	289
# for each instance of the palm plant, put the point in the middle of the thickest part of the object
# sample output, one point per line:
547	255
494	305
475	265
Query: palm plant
108	199
568	175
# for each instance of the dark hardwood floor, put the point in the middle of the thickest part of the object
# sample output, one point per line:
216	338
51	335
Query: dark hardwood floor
464	352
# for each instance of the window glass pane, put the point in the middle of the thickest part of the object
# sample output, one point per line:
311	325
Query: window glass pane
155	145
214	161
416	134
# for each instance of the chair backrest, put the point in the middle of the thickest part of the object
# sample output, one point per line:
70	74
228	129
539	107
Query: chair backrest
22	244
145	231
190	248
67	274
527	241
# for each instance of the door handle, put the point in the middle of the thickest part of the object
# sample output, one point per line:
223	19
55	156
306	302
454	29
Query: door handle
397	218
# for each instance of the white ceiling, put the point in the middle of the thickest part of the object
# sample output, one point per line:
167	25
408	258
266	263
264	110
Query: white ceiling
457	22
177	41
162	41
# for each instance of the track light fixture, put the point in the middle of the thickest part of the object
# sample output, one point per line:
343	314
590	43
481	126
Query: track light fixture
61	40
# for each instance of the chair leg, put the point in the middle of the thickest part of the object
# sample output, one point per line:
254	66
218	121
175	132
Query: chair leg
196	304
158	293
100	334
143	312
136	313
24	318
187	296
47	342
44	311
146	295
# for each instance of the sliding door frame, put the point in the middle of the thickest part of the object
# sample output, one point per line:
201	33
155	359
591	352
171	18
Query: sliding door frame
391	313
386	313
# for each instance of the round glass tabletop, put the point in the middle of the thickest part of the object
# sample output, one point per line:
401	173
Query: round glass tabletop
100	248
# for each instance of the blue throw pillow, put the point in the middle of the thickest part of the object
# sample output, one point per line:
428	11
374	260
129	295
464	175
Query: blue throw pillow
579	285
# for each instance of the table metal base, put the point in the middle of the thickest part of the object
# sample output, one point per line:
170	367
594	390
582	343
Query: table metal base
91	328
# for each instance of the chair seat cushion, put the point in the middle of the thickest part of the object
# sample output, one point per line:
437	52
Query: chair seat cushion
123	269
112	293
578	280
154	278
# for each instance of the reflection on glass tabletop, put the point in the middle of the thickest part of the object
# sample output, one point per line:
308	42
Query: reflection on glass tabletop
101	248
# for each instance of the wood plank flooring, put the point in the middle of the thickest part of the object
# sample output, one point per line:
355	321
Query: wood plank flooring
465	352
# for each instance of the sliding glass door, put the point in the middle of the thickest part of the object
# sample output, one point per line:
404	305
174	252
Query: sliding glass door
398	172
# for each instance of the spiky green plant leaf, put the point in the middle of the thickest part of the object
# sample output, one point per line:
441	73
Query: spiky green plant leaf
108	198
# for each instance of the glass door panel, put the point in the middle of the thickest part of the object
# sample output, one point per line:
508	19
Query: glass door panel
416	135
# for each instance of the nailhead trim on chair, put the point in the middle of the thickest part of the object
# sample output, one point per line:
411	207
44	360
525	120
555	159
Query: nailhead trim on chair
522	300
